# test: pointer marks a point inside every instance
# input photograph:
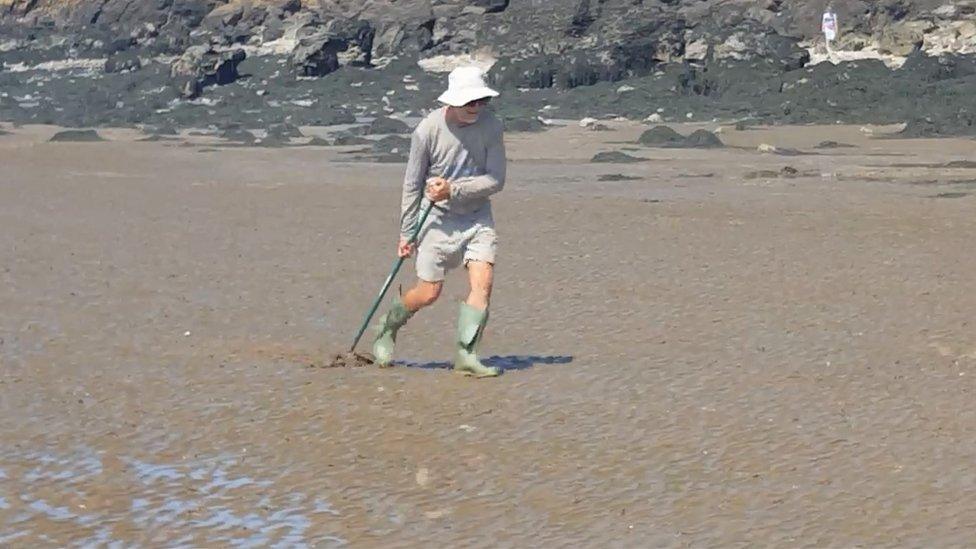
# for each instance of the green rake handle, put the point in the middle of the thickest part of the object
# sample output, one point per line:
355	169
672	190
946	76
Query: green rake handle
389	279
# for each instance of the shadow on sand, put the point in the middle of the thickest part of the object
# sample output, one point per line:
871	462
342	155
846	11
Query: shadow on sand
510	362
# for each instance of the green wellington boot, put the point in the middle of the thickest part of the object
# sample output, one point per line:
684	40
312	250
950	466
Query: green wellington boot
471	326
386	332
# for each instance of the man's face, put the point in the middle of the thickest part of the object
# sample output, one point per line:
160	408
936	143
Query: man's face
468	114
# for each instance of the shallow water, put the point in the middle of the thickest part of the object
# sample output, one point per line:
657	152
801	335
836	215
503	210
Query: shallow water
200	501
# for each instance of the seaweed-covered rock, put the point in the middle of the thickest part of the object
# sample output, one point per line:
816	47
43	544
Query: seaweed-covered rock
702	139
384	125
615	157
392	144
343	139
661	136
78	136
524	125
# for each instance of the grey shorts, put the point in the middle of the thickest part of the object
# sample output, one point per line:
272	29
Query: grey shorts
446	243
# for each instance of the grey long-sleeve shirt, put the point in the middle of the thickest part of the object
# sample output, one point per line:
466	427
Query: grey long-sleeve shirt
472	157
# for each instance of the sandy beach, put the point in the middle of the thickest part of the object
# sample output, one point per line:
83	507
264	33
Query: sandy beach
720	348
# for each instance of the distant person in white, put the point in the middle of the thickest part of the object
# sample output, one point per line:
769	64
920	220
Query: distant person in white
829	26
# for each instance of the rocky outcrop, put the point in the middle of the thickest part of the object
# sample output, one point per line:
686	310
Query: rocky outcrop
323	61
664	30
317	55
202	66
589	40
325	46
240	21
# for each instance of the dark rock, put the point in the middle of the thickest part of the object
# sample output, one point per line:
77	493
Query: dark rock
383	125
159	130
345	139
123	61
963	164
284	131
357	152
273	141
357	130
534	73
524	125
154	138
318	142
76	136
661	136
238	135
585	69
665	137
785	171
393	144
785	52
953	117
703	139
617	177
694	81
322	114
390	158
491	6
787	151
921	126
318	55
936	69
615	157
761	174
358	35
582	19
833	145
237	22
403	38
201	66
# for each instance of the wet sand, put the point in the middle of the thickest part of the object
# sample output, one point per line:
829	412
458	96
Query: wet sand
707	355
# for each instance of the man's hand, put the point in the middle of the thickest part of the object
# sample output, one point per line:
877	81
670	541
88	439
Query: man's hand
404	248
438	189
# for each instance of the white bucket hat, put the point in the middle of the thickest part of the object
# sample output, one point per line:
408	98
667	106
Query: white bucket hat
464	85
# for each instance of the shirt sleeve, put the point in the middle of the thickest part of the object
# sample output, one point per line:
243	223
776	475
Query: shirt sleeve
465	189
418	166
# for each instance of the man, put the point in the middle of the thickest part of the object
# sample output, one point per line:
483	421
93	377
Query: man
457	160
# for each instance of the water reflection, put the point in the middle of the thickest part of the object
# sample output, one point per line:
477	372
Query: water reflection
186	503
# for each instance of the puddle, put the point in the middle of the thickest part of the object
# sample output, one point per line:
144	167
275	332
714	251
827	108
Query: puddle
208	501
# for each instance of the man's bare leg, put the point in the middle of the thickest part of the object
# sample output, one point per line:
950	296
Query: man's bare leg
422	294
480	278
